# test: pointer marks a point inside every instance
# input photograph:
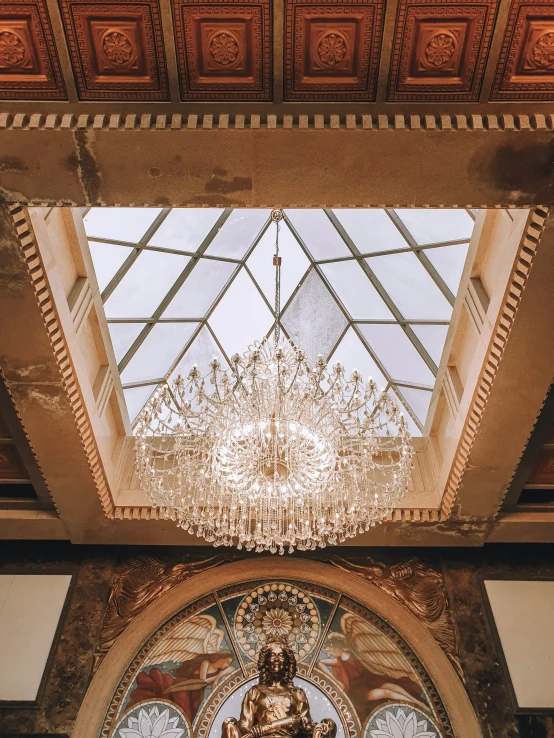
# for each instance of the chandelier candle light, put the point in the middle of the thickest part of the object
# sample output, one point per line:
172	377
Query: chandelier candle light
272	453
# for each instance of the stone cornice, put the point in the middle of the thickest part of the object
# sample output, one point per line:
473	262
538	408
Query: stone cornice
436	121
505	320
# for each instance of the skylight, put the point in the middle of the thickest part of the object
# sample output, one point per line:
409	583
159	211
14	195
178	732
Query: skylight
373	289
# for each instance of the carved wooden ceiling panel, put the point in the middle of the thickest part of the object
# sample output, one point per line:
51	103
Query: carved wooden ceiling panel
117	49
410	51
224	50
526	66
332	49
29	64
440	49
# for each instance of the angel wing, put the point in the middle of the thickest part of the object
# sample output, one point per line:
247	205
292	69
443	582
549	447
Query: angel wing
197	635
374	649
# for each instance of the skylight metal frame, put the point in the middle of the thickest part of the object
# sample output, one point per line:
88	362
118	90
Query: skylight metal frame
355	255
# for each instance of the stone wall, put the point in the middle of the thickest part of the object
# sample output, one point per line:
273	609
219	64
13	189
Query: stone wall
463	571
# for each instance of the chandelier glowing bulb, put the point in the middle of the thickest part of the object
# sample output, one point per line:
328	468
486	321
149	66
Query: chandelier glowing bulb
272	453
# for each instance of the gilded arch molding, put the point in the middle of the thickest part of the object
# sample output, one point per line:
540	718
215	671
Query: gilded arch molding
114	666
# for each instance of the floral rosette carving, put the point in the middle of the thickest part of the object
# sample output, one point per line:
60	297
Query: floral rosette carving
440	49
401	721
12	49
224	48
543	50
331	49
117	47
277	611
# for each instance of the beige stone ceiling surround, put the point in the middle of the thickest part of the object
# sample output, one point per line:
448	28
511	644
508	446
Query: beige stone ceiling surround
59	366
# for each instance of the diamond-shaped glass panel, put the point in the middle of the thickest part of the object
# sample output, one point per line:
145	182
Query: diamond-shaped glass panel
161	347
433	226
236	235
352	354
319	235
449	262
123	336
397	353
136	398
432	337
201	288
185	229
119	224
145	285
418	400
355	291
201	352
313	319
410	286
371	230
294	263
107	259
242	317
412	426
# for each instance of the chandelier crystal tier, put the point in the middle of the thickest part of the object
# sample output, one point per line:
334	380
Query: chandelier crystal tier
273	453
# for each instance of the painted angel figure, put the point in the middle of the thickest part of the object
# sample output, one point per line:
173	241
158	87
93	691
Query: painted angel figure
369	666
195	646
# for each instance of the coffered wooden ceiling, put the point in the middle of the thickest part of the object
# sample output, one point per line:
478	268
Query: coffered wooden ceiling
288	51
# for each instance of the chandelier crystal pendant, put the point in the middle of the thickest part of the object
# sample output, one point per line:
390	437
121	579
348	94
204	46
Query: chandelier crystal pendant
272	453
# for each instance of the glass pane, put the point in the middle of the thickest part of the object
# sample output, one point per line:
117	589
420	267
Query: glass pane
202	352
136	398
123	336
241	317
412	426
410	286
200	289
145	285
238	232
449	262
313	320
355	291
159	350
119	224
107	259
397	353
418	400
294	264
352	354
318	234
371	230
432	226
184	229
432	337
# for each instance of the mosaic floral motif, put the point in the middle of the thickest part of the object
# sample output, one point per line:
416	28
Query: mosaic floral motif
117	47
153	720
400	721
12	50
224	48
277	610
440	49
332	49
543	50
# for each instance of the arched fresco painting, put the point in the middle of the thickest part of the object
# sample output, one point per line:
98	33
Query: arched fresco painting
193	672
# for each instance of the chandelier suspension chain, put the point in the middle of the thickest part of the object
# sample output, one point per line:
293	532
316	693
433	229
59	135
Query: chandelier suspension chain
277	217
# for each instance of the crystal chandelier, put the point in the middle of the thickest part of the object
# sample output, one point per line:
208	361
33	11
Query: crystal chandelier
271	452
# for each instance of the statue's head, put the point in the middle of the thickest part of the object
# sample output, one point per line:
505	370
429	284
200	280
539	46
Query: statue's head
276	661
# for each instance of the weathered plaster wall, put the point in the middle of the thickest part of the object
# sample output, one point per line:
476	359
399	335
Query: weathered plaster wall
93	568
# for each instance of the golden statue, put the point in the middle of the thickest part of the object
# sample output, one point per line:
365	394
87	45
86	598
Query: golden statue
275	706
